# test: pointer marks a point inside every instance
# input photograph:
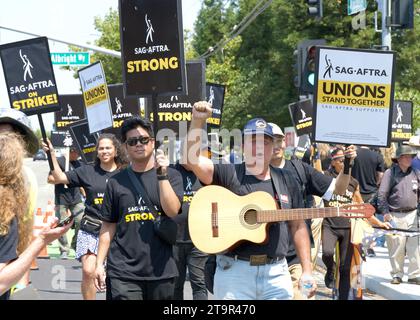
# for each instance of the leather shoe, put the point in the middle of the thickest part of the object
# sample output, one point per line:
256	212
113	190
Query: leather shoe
329	279
396	280
371	252
414	281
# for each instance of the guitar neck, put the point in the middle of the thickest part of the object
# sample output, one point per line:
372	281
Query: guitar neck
264	216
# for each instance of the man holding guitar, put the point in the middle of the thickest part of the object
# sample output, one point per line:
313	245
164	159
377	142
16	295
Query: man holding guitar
249	270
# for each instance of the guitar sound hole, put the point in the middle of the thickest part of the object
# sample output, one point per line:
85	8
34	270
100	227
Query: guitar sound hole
250	217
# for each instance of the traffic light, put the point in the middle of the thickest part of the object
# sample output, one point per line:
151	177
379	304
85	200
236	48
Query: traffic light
402	14
297	68
315	8
306	52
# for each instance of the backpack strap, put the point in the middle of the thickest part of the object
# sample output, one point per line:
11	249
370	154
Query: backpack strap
280	186
300	170
141	192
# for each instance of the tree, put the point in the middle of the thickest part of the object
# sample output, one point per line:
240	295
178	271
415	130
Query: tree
109	27
264	57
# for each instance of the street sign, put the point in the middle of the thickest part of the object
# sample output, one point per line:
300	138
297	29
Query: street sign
356	6
70	58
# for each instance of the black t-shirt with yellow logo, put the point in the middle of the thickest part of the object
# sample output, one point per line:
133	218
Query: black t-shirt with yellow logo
136	252
191	185
93	179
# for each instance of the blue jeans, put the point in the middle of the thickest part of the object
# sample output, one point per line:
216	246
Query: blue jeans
380	241
188	256
238	280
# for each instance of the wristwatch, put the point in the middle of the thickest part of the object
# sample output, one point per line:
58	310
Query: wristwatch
162	177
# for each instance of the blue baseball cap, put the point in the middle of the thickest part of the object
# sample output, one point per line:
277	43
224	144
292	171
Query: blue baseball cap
258	126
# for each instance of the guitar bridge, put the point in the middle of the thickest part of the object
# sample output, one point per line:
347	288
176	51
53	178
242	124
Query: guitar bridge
214	220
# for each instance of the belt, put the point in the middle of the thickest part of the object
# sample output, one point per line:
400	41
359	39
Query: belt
404	210
256	260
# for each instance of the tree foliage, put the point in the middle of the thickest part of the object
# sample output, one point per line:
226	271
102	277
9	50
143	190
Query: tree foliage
261	69
109	27
257	65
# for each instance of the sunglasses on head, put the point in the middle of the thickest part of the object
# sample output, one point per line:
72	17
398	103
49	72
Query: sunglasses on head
134	140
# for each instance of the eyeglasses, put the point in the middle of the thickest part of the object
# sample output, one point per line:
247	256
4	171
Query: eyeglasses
134	140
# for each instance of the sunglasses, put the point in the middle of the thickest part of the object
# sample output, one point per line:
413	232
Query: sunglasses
134	140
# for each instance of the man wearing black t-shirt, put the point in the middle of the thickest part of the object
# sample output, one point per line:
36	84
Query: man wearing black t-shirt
185	253
68	199
253	271
140	265
368	169
312	182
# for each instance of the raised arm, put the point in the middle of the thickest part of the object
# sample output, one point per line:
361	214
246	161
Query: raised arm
57	175
343	178
11	273
168	198
202	167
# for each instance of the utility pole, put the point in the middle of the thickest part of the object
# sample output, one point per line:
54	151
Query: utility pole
386	23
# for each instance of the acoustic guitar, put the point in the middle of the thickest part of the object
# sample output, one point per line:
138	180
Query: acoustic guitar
218	219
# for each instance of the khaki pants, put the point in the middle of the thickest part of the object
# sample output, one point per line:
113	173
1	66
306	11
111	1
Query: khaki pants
316	228
400	246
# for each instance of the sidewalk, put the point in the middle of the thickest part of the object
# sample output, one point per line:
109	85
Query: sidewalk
377	277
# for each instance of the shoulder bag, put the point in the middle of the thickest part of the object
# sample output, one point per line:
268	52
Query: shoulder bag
164	227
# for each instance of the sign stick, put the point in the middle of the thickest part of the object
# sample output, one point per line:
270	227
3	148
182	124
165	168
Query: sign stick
155	125
44	137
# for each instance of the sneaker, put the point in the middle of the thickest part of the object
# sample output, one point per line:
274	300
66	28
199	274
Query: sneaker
64	255
397	280
371	253
414	281
329	279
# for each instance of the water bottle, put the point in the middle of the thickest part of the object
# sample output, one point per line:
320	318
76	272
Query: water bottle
306	284
392	223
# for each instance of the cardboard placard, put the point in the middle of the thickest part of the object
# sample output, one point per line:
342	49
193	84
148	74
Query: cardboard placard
72	110
85	142
215	95
96	97
175	112
29	76
62	139
402	120
354	96
301	114
152	47
122	108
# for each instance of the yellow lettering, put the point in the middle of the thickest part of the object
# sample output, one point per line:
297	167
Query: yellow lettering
88	150
117	123
152	65
173	62
35	102
130	69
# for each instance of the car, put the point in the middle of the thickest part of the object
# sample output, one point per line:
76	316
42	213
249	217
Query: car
40	155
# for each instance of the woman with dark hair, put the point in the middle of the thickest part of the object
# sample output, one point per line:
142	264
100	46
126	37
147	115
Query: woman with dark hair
16	254
93	179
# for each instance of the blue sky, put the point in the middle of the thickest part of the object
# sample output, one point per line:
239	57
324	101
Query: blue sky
68	20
